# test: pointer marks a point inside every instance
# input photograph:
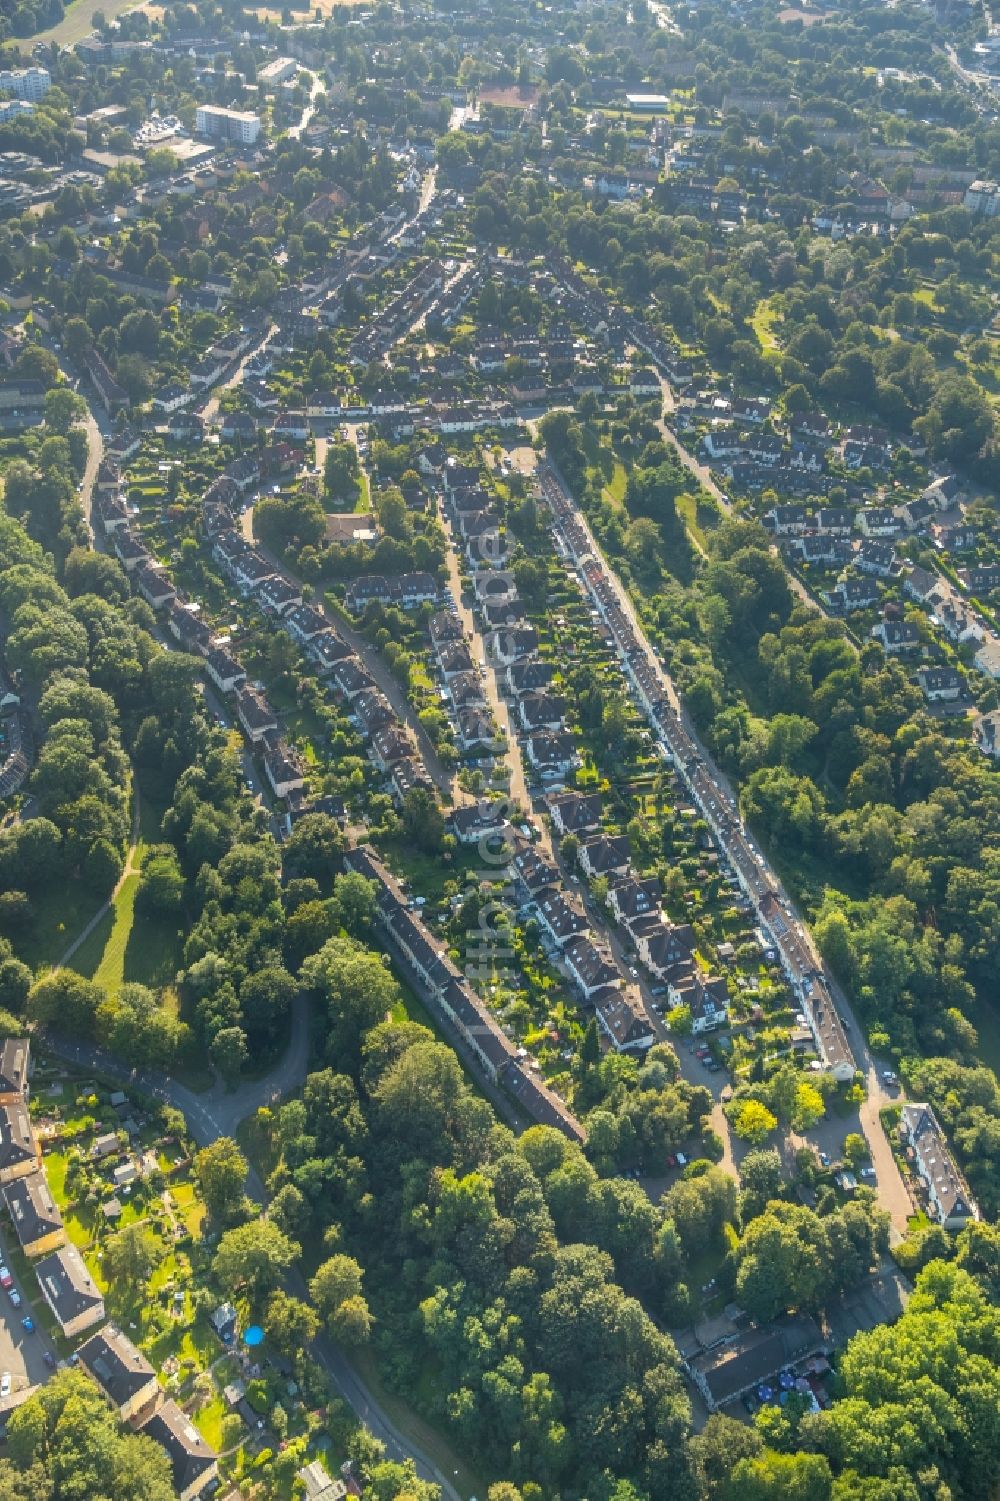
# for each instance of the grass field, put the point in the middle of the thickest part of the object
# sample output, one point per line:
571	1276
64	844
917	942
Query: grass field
78	22
764	319
130	946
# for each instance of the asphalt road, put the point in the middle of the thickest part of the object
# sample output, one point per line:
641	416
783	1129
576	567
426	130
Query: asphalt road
892	1192
218	1112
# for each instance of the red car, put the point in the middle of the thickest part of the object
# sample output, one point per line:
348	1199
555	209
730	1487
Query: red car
6	1280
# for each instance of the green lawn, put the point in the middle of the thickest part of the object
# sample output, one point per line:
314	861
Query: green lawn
208	1421
763	321
58	916
78	22
615	488
110	972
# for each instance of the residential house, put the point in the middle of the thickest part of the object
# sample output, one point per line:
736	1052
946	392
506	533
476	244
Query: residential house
15	1058
986	732
35	1214
351	678
224	670
483	823
255	714
552	755
476	731
574	812
317	1484
18	1151
372	711
895	636
634	897
940	684
282	767
851	594
876	558
604	855
981	580
514	644
388	746
193	1463
70	1291
622	1019
591	968
948	1197
879	521
540	711
124	1375
327	650
561	917
155	585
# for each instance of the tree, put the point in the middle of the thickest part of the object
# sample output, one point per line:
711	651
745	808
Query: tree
358	989
855	1149
66	1002
222	1169
161	885
65	1437
265	1000
314	848
37	363
63	409
782	1477
336	1291
251	1260
717	1450
752	1121
423	820
290	1324
131	1257
229	1052
761	1179
784	1261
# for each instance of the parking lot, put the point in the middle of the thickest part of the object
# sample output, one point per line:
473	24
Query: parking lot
21	1354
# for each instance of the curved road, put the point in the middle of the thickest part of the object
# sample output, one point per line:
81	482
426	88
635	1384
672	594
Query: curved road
218	1112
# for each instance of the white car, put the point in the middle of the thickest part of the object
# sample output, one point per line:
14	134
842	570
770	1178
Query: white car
5	1384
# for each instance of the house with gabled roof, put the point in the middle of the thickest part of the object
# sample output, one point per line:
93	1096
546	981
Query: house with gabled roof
123	1374
69	1290
948	1196
193	1463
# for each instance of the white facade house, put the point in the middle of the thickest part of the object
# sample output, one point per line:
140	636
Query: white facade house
227	124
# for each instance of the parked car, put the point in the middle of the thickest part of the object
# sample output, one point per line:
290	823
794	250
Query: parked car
6	1280
49	1359
28	1324
14	1296
5	1384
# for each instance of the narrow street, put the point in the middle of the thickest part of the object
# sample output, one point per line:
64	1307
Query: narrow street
702	472
706	780
443	777
210	409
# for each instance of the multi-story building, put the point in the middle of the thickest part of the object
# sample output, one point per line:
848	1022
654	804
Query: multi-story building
26	83
948	1197
227	124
